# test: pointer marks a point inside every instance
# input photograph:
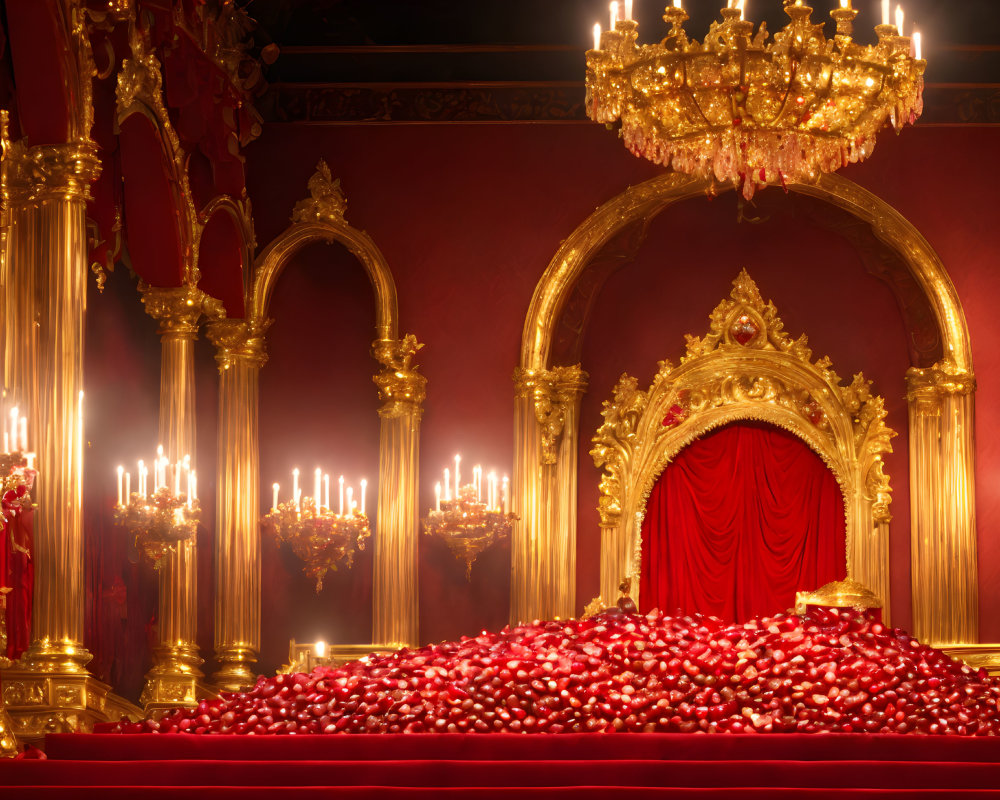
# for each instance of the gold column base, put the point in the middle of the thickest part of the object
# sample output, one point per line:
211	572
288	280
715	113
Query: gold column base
55	656
174	680
39	703
235	674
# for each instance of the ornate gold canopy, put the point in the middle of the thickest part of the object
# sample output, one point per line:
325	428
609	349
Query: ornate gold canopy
746	368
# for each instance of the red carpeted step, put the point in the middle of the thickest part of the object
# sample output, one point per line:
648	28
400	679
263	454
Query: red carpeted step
449	773
502	747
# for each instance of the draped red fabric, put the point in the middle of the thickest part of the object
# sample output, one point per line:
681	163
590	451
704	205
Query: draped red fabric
18	572
738	522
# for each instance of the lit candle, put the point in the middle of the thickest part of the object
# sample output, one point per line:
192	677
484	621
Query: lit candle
128	486
326	492
274	500
320	649
458	484
295	486
31	460
121	484
899	20
506	490
142	483
742	6
364	486
677	4
350	499
341	512
628	9
597	35
437	496
190	490
885	13
447	484
614	14
23	428
916	45
160	476
477	479
845	3
492	494
317	488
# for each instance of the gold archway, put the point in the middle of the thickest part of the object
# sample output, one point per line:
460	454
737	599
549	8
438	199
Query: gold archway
941	415
746	367
241	353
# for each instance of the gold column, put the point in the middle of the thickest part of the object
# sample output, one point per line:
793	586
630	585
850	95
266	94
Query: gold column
174	678
402	390
942	465
543	542
240	354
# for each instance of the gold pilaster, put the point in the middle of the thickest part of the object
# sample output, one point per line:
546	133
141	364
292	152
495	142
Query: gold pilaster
543	540
175	675
240	354
942	465
401	390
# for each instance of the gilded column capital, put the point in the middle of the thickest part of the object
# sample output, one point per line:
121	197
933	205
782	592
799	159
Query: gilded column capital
552	392
179	308
238	340
401	388
925	388
51	172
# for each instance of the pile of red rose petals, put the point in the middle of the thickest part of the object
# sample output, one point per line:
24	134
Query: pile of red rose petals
829	670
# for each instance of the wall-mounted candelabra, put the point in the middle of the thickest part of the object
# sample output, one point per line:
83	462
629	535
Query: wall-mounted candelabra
322	538
17	468
467	521
164	514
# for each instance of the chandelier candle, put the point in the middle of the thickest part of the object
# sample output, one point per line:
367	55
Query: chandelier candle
748	109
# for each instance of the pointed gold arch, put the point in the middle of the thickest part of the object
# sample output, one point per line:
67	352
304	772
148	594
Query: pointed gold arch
746	368
941	418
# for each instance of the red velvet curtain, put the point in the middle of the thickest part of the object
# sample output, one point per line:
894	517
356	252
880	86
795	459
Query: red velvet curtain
742	519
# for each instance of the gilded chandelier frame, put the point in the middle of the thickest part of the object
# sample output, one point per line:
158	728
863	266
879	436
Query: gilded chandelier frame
941	401
746	368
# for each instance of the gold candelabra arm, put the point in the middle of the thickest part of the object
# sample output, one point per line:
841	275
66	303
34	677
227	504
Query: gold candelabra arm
159	522
468	526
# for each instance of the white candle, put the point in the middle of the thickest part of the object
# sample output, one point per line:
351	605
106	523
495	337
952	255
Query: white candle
364	487
885	12
274	500
845	3
320	649
505	494
899	20
916	45
597	35
128	486
458	484
23	428
326	492
447	484
350	499
341	512
30	457
742	6
628	9
121	484
160	478
492	490
317	488
437	496
677	4
614	14
142	483
295	486
477	480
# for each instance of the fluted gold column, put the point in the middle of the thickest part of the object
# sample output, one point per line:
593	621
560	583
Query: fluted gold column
401	390
942	465
241	354
173	679
543	543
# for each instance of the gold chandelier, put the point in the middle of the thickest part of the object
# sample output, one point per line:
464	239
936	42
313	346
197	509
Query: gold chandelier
748	110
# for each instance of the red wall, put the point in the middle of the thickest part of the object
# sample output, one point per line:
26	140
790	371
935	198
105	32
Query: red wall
468	217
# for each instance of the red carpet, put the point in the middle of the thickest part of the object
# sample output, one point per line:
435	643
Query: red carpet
582	765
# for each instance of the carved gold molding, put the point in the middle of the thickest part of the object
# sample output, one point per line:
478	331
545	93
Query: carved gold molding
326	201
178	309
552	392
401	387
747	367
238	340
